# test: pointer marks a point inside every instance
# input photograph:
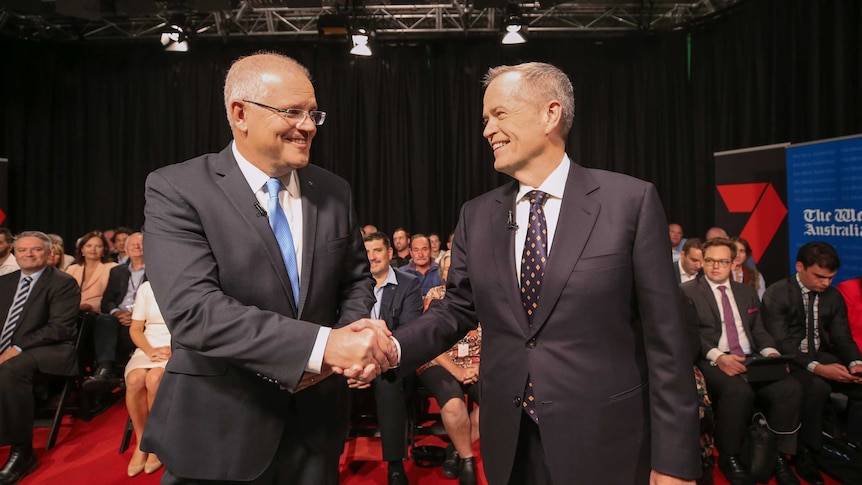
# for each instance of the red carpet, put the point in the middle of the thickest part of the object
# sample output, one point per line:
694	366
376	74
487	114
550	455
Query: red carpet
86	453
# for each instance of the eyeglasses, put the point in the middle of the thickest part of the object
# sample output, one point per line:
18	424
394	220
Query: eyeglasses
294	115
723	263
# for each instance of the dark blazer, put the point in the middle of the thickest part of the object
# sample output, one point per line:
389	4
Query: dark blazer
401	303
237	336
784	316
47	328
702	311
118	284
607	351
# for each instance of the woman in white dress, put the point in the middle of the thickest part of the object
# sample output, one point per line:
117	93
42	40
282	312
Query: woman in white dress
144	371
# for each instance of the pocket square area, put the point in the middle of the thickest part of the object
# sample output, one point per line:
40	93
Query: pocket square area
752	310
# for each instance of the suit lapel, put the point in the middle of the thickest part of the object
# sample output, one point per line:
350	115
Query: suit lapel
39	287
503	242
710	300
386	306
237	191
578	215
310	203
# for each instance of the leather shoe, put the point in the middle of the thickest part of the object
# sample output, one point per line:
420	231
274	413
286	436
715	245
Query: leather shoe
783	474
22	461
467	473
103	380
734	471
398	477
452	462
806	468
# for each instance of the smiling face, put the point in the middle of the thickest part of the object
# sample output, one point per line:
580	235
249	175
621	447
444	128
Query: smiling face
267	138
378	257
31	254
93	249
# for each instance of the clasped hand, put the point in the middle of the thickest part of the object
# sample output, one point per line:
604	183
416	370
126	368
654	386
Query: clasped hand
361	351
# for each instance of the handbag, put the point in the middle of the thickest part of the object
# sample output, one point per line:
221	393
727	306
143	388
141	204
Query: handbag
758	452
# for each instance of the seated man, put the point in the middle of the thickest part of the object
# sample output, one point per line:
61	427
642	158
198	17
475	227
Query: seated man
422	265
808	317
726	314
676	241
690	264
398	300
40	306
112	325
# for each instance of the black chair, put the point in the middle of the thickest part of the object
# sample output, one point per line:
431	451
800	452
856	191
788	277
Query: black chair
127	436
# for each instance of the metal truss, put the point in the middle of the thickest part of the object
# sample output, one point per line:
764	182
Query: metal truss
263	18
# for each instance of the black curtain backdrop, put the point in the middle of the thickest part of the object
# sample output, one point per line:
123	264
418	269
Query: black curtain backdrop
83	123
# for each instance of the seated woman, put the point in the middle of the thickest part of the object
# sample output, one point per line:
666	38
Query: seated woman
744	274
91	269
144	371
851	290
55	257
448	377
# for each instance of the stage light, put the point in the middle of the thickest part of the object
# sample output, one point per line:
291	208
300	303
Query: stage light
175	38
514	26
360	38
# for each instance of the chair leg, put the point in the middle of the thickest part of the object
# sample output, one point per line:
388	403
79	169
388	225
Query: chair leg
127	436
58	416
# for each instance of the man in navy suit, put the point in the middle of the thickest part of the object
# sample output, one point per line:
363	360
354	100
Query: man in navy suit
42	338
259	322
592	380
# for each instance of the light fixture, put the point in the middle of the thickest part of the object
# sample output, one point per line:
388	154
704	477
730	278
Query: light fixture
360	37
514	25
175	38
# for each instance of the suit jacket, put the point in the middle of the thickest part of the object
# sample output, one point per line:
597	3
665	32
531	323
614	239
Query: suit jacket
47	329
607	350
401	303
118	285
96	284
784	315
702	311
218	276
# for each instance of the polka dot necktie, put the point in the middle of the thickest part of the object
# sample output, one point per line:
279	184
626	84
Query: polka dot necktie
533	262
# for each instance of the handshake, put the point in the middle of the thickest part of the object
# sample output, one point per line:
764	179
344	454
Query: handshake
360	351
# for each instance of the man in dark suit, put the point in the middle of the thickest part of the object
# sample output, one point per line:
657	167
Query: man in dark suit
40	306
398	300
726	313
597	357
827	358
111	330
690	264
258	319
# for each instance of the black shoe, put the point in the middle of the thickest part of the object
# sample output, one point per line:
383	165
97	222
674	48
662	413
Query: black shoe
467	472
22	461
706	478
397	475
806	468
103	380
734	471
783	474
452	462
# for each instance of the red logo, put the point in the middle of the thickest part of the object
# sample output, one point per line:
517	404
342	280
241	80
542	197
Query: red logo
2	216
767	212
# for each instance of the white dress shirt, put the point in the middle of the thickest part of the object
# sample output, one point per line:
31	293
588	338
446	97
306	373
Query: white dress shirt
554	186
723	347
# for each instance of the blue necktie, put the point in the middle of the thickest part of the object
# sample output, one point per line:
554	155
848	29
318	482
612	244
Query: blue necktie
281	229
15	313
533	261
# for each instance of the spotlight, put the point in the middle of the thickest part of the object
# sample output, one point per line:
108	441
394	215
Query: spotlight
360	37
175	38
514	25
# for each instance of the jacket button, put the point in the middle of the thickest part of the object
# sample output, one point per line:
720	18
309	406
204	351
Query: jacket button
516	401
531	344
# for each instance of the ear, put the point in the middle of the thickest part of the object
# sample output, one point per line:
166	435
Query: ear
390	252
800	267
553	116
237	116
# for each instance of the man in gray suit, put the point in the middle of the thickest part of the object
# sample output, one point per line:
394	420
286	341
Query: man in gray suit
259	321
589	378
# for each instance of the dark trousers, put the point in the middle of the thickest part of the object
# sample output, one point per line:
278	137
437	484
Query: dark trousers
530	466
816	392
733	401
111	340
391	417
16	400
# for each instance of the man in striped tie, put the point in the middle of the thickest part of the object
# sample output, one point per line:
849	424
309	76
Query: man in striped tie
39	304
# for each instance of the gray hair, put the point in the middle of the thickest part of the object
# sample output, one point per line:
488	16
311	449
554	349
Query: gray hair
243	78
46	241
542	83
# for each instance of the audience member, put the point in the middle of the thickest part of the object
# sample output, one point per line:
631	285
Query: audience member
731	329
436	252
690	264
368	229
421	265
40	305
91	270
851	290
144	370
676	240
68	259
714	232
401	243
55	257
111	330
109	237
448	378
398	300
808	318
118	253
745	274
8	263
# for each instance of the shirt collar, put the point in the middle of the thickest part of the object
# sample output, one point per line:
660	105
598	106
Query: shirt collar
554	185
714	285
391	279
34	277
256	178
801	286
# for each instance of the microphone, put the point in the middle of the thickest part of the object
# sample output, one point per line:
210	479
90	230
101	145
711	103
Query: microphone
260	211
510	222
